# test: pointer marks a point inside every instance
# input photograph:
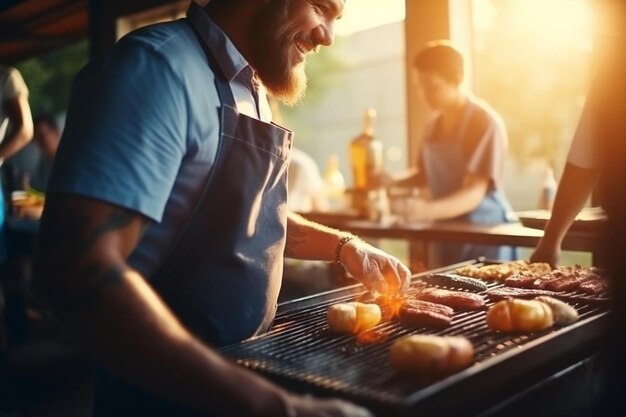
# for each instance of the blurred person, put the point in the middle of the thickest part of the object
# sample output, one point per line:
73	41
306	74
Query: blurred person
460	164
579	178
166	220
595	164
47	136
586	159
306	185
16	129
20	167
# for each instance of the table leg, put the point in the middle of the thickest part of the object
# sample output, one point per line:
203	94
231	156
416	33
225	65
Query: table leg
418	256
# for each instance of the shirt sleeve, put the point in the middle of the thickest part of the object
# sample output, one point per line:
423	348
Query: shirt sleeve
14	85
125	133
486	145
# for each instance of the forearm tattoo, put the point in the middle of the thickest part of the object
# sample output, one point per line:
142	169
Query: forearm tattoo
71	236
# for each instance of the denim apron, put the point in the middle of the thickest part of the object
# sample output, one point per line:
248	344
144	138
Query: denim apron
444	163
223	275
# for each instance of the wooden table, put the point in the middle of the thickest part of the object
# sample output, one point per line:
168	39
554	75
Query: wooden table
508	234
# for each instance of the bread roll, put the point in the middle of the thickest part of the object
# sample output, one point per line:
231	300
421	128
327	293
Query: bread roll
562	312
353	317
518	315
429	354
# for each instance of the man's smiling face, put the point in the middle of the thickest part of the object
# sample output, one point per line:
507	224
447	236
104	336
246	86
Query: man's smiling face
282	33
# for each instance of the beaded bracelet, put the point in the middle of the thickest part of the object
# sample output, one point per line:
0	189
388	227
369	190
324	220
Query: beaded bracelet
342	241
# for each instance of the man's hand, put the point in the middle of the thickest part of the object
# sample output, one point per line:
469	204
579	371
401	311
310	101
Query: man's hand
377	270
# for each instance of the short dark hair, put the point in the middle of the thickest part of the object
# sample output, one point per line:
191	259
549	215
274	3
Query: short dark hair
48	119
441	58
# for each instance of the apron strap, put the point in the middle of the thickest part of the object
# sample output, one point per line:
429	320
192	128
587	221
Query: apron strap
227	100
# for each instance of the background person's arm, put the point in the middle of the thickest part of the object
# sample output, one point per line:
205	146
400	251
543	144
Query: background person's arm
82	274
21	126
459	202
574	189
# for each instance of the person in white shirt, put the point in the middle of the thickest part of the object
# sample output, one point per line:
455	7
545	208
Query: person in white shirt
16	127
585	163
306	186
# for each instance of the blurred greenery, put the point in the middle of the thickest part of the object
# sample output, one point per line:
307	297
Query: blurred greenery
49	77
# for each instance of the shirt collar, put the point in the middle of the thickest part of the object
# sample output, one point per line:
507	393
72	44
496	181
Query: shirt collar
228	58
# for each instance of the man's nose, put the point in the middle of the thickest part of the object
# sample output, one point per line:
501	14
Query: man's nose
324	34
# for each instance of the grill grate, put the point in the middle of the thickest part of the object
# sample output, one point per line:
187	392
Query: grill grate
300	349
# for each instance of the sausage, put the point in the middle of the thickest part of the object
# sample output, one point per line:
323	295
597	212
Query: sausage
455	299
455	281
565	284
594	286
521	280
508	292
420	313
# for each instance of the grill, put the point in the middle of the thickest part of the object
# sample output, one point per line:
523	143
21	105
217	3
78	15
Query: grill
300	352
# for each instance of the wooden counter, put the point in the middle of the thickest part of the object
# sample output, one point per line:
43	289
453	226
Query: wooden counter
508	234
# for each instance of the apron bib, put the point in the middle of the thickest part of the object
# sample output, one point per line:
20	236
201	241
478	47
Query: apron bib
223	276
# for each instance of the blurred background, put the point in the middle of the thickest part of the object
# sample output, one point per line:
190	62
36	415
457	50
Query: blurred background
530	60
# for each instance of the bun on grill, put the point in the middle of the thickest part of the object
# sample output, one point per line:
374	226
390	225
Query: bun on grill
353	317
430	354
562	312
518	315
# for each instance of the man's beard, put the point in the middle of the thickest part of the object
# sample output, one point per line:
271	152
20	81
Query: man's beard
271	42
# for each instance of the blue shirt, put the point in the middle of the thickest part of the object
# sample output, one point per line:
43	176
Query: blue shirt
142	127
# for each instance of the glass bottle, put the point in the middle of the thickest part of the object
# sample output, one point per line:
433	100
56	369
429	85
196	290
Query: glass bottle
334	184
378	208
548	190
366	154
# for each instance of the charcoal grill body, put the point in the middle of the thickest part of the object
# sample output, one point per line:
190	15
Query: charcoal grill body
300	353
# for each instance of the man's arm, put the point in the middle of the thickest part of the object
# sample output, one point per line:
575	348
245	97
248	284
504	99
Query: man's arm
574	189
21	126
377	270
82	274
310	240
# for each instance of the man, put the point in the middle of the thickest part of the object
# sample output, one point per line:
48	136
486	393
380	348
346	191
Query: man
166	223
